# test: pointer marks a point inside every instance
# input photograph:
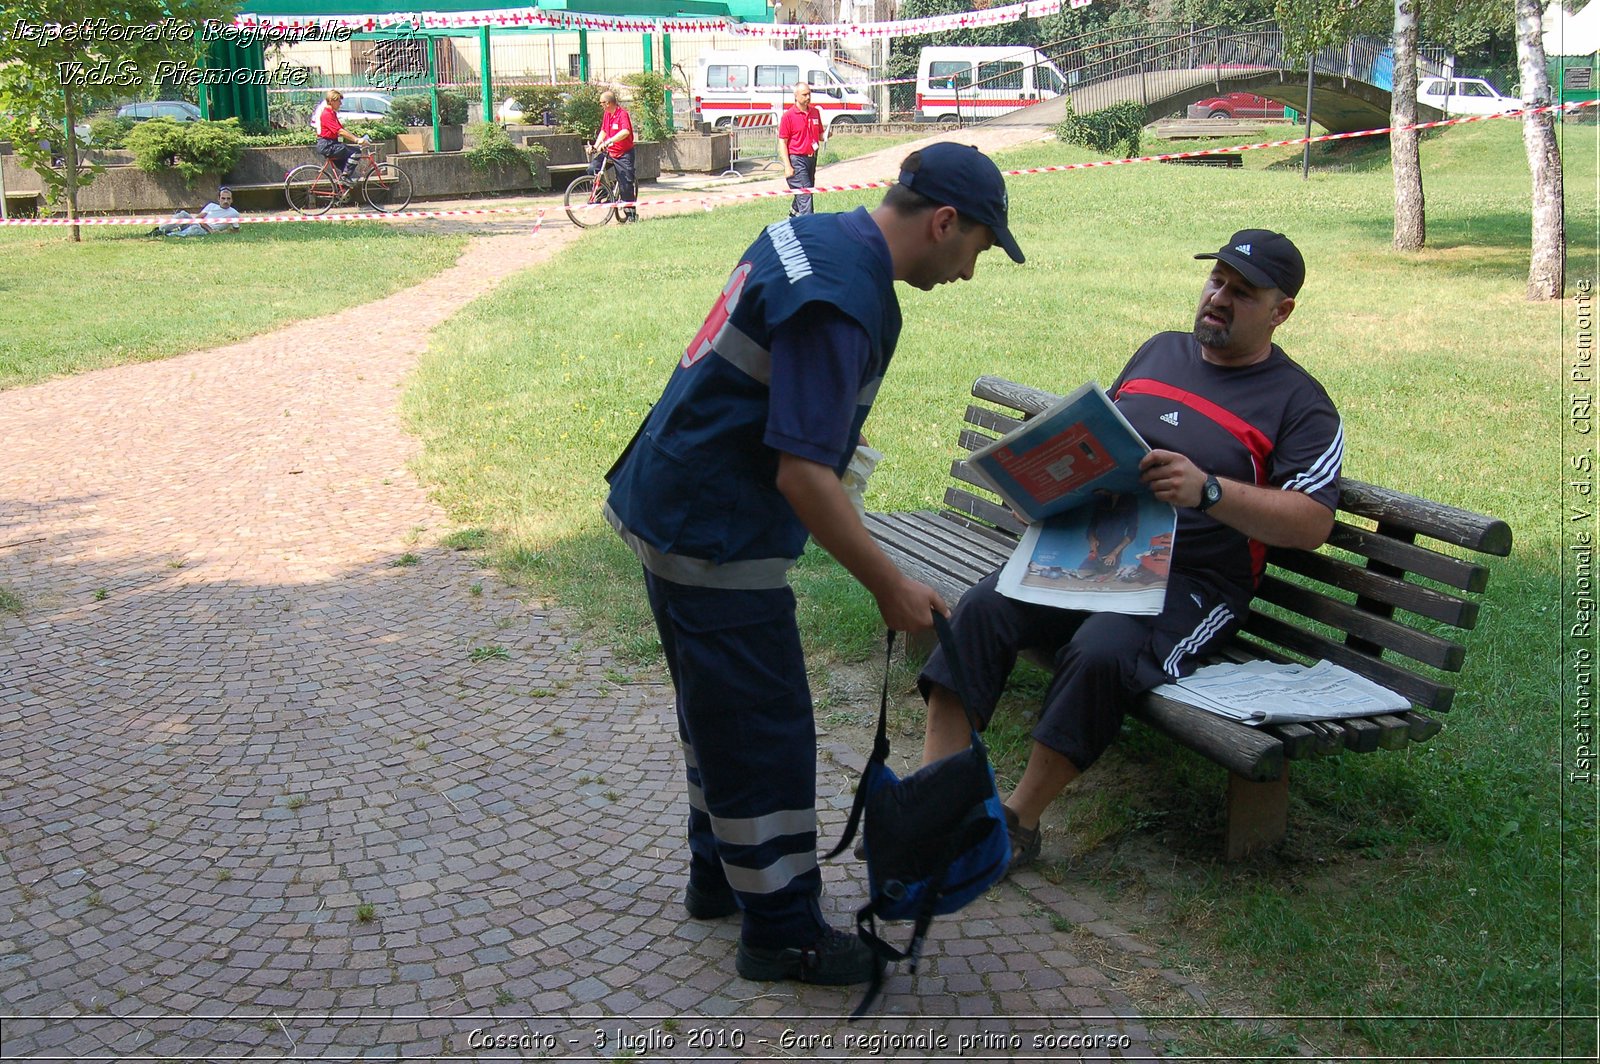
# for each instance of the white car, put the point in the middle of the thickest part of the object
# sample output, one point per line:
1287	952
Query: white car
1464	96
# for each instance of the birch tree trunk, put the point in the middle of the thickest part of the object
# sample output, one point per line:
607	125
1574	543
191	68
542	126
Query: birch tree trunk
1410	224
1547	266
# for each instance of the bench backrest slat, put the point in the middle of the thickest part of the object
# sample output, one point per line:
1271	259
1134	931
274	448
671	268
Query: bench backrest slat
1396	509
1409	557
1376	587
1425	647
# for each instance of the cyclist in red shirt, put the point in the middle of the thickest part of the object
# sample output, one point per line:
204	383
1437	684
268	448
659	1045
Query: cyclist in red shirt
333	140
616	140
799	136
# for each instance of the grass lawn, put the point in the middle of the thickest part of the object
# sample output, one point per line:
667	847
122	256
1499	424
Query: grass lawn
1422	883
121	296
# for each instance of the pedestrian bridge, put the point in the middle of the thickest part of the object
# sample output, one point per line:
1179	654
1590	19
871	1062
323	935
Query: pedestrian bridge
1169	69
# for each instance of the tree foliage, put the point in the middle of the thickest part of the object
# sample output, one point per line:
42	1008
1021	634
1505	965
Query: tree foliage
49	81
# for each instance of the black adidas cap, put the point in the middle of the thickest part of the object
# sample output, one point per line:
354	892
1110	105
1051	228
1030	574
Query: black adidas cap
1267	259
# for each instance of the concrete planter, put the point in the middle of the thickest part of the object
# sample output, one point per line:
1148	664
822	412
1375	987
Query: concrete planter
420	139
436	175
564	149
692	153
267	166
127	189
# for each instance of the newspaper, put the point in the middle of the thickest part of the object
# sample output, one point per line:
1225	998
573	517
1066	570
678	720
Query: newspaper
1096	538
1259	692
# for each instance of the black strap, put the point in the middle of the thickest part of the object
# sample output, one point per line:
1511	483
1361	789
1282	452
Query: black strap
880	754
880	743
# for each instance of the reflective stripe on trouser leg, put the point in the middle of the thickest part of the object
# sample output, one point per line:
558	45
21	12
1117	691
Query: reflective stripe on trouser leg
745	710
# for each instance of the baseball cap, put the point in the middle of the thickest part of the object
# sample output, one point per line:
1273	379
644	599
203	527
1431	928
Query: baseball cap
961	176
1266	259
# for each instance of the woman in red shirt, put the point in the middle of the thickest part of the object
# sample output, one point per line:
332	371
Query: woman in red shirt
333	140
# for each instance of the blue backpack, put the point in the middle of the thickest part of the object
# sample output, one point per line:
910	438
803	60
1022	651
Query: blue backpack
934	840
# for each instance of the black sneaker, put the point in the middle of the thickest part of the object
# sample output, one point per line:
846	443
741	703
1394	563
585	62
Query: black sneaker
836	959
1025	842
710	903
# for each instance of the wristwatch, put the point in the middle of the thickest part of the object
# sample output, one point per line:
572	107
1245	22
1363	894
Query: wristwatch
1210	494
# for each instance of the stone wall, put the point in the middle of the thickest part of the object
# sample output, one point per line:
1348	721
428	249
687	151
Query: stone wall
441	175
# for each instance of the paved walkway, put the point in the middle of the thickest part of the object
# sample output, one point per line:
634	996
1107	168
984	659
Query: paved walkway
259	800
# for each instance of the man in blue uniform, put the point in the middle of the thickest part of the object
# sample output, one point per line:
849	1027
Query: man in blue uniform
1248	446
733	468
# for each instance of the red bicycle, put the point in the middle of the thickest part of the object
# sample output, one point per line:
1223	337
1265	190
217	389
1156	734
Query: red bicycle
313	189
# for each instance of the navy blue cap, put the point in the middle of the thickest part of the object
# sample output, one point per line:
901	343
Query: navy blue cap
1266	259
961	176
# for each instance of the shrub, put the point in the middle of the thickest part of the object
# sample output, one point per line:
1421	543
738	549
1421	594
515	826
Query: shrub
581	113
302	134
649	110
491	147
537	100
106	130
191	148
1113	130
414	109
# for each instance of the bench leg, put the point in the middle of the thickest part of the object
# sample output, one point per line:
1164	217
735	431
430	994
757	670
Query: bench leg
1258	813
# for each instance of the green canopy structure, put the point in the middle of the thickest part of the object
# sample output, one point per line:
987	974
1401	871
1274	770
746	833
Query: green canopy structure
248	102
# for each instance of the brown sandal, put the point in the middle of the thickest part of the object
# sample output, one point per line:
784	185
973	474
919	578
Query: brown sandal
1025	842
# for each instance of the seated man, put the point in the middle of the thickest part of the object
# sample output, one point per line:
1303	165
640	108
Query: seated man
1248	446
219	210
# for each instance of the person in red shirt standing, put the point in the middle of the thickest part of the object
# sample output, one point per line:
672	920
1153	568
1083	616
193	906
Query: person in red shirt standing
334	141
616	140
799	136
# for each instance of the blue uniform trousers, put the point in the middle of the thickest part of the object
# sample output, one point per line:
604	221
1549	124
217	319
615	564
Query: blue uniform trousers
749	740
805	176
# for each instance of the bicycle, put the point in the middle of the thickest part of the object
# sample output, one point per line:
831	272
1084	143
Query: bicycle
592	199
313	189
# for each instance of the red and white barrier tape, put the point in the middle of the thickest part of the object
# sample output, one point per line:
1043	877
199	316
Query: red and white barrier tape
705	200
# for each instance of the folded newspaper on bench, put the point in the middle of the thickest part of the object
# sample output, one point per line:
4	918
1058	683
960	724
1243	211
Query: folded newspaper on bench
1259	692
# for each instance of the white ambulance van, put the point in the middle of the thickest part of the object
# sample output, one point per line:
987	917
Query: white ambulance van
978	82
729	83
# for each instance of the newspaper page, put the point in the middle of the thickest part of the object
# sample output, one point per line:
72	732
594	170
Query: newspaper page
1058	459
1110	555
1260	692
1096	539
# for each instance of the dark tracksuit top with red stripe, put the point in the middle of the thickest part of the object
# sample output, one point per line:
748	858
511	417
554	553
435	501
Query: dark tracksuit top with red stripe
1269	424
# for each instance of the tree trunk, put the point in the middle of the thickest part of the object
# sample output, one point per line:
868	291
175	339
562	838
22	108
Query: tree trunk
69	159
1547	267
1410	224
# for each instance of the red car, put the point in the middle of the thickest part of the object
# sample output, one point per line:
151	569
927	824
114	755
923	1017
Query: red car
1237	105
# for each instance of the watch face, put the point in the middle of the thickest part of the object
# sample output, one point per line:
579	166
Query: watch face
1213	492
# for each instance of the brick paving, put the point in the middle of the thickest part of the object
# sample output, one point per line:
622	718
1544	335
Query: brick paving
259	800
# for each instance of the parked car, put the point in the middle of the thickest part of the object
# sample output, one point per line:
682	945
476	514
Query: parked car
177	110
1464	96
357	106
1237	105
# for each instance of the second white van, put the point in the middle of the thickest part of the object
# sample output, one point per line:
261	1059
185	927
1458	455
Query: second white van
982	81
729	83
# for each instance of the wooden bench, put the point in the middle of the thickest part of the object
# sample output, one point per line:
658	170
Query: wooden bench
1357	602
1230	160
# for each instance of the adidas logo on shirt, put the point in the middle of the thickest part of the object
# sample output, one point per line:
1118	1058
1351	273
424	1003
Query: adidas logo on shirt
1171	419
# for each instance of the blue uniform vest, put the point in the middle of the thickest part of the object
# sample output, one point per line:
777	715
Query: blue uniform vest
695	493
